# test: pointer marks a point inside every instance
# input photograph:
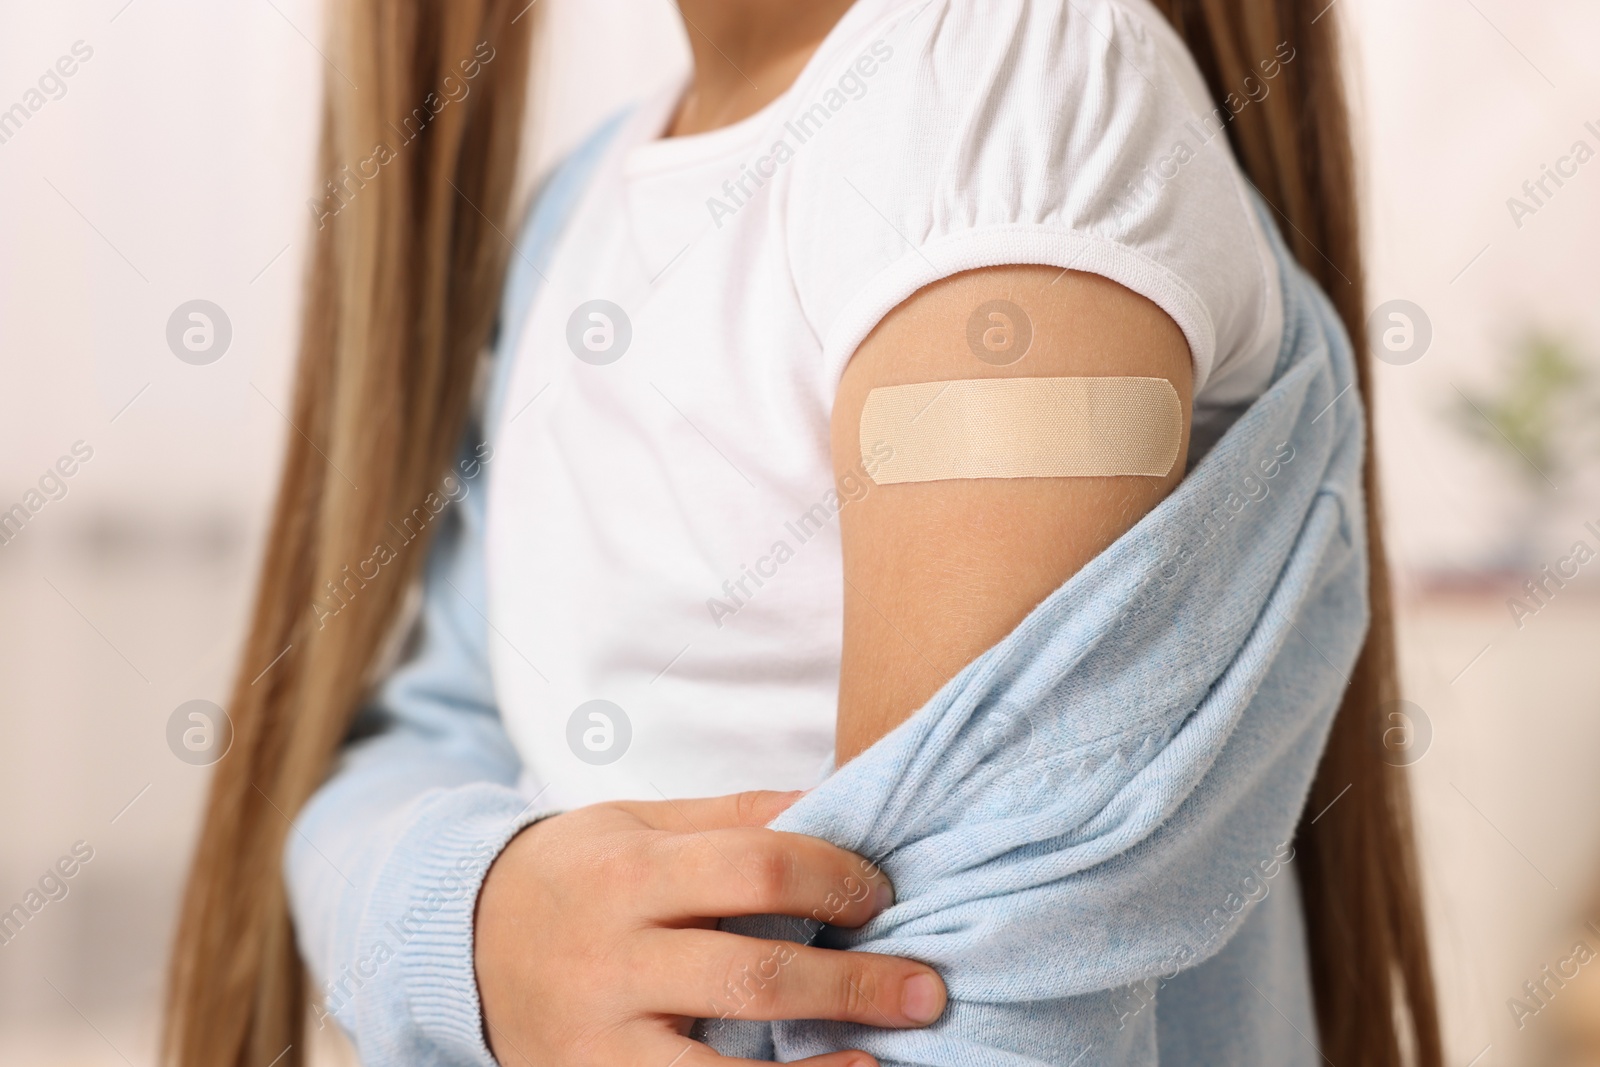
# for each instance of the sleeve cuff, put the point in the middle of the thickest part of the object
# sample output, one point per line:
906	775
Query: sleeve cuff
423	907
998	246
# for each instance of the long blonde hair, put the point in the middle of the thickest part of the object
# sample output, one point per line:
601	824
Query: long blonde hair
401	296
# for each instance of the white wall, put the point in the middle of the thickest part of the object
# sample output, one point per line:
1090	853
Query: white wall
1457	114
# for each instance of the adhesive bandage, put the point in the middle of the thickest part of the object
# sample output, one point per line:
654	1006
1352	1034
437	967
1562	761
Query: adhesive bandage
1022	428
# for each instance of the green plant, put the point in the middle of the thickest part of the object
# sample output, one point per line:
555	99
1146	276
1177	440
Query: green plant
1538	415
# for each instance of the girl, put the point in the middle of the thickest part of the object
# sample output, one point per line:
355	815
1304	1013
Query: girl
671	582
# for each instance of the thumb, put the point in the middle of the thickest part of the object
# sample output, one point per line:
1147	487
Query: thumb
756	807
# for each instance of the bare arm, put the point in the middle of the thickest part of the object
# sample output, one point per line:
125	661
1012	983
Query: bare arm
937	572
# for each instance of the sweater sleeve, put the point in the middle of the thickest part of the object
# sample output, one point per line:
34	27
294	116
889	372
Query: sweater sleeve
386	860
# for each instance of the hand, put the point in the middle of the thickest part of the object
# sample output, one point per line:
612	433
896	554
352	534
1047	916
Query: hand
596	941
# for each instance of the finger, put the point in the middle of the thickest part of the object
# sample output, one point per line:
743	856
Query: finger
686	815
762	872
686	1053
709	973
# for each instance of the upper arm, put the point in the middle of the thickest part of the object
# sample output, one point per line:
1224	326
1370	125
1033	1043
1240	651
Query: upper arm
938	571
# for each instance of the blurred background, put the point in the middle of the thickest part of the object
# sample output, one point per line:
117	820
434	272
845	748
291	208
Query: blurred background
174	164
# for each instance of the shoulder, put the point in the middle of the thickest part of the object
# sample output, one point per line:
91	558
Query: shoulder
950	135
951	80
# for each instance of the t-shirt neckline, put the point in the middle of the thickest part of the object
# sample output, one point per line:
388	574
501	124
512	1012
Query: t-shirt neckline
652	153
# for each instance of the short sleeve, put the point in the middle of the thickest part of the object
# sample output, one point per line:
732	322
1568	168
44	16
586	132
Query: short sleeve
951	135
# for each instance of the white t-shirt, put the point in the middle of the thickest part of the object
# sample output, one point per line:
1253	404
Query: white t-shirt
663	530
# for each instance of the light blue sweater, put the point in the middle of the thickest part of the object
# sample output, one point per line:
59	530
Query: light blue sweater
1089	828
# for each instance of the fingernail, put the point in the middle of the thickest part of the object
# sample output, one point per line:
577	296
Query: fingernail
883	900
920	999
